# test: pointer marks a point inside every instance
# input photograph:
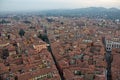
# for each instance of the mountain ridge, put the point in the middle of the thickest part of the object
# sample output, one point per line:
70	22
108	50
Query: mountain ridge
92	12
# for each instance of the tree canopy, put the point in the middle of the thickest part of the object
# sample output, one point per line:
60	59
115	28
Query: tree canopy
21	32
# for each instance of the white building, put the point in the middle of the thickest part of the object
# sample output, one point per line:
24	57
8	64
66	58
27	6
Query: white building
112	44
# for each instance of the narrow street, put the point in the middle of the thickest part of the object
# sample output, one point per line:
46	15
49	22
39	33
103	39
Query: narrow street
50	50
61	74
109	59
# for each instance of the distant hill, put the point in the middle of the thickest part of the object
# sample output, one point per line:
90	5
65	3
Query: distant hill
91	12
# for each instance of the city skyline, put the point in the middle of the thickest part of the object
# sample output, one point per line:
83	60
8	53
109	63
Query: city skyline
33	5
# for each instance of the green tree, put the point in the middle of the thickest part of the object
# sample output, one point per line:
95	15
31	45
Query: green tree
21	32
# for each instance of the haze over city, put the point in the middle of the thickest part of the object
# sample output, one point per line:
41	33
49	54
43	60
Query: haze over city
59	39
33	5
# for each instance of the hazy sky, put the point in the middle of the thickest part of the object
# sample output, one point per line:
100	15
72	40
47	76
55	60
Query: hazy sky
21	5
